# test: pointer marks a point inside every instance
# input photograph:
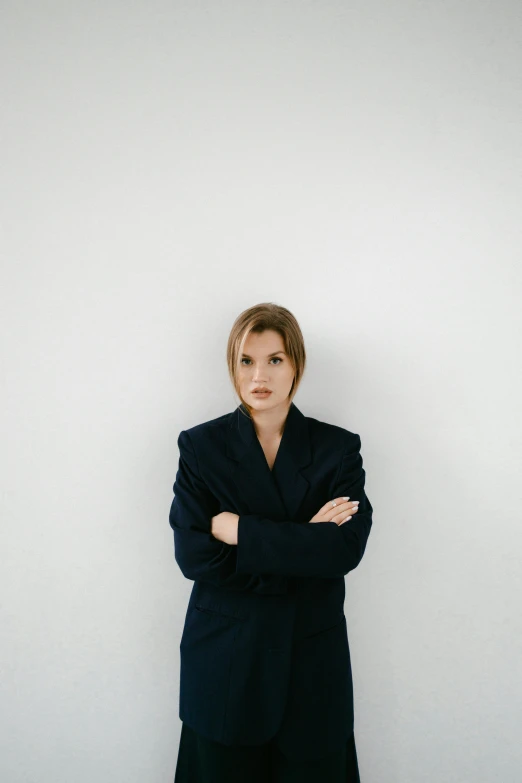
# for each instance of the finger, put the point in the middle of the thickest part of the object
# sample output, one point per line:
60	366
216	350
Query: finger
339	512
343	504
342	510
329	505
338	518
344	501
346	515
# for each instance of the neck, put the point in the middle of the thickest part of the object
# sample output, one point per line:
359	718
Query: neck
269	424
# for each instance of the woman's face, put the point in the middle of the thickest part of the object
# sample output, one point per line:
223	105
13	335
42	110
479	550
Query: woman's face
264	363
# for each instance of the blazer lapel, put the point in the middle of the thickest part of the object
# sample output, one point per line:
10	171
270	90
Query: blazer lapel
278	493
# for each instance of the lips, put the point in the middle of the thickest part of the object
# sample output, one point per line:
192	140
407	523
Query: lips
261	391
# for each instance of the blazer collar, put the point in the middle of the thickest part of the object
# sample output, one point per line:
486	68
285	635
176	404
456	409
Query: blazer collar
276	493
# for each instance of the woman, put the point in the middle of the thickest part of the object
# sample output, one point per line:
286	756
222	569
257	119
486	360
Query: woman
269	515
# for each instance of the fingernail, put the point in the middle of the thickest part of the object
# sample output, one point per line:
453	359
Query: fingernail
346	498
346	520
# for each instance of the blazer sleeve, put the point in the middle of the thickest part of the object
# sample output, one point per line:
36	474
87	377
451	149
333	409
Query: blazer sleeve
198	553
322	549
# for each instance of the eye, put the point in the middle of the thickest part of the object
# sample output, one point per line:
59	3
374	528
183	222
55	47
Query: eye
277	359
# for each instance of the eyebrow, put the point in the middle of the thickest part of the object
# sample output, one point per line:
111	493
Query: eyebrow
269	355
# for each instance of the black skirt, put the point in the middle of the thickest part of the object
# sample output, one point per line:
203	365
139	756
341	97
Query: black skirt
201	760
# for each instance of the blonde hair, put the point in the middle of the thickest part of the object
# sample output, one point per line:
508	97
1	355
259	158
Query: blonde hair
257	319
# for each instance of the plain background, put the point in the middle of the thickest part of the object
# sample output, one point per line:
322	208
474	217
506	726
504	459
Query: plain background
167	165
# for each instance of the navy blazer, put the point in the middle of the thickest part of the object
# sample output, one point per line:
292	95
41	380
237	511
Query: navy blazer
264	651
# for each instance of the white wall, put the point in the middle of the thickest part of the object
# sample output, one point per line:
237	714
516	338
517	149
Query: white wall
165	166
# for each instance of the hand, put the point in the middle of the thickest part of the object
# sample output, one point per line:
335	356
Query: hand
344	508
224	527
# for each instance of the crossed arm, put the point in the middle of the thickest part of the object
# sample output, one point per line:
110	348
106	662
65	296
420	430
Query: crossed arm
267	552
